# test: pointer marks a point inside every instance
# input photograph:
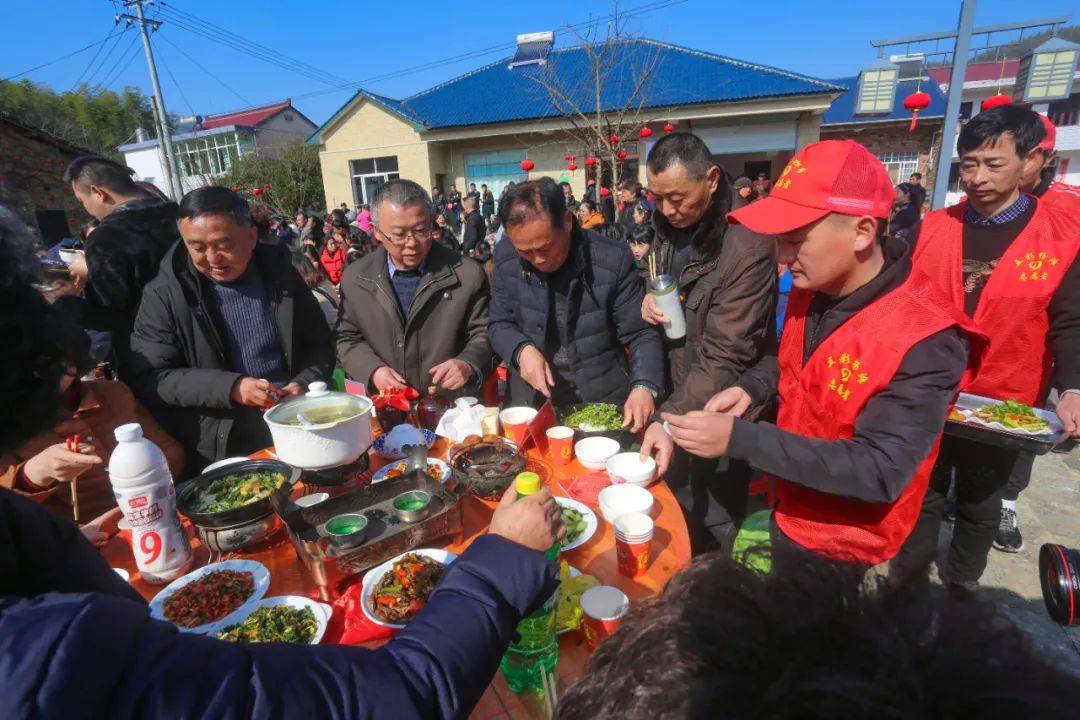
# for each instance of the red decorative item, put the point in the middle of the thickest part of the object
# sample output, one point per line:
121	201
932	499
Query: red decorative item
622	154
668	127
34	174
235	189
590	162
645	132
397	398
18	158
614	139
256	191
568	158
527	165
572	167
915	102
604	192
996	101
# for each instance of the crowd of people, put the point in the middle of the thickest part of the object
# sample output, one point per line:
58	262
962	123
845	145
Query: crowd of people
217	310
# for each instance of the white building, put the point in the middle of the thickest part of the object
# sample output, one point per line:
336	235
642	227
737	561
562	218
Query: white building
206	147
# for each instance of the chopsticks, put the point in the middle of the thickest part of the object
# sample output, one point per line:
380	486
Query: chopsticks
551	695
652	267
73	446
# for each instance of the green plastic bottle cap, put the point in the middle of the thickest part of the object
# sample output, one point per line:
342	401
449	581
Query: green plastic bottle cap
527	483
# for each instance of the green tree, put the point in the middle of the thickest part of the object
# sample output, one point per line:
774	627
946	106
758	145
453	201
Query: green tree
289	180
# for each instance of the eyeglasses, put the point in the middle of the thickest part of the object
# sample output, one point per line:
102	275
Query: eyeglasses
418	236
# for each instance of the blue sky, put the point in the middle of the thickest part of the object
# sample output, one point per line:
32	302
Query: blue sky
357	41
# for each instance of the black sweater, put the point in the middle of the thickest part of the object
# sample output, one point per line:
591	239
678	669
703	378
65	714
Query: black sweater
895	430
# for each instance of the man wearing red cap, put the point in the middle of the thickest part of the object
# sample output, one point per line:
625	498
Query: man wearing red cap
870	359
1039	179
1007	260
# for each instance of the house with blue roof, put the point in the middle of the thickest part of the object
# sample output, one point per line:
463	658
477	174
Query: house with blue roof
872	112
480	127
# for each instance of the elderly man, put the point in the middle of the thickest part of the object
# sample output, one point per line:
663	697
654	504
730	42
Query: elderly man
474	229
727	279
565	306
413	313
227	329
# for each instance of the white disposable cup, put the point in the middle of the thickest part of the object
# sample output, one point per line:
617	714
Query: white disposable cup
634	527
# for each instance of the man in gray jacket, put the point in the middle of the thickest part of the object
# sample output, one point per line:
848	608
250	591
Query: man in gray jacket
413	313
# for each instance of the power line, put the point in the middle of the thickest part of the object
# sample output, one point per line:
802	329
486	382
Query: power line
116	30
53	62
103	64
203	68
122	64
172	77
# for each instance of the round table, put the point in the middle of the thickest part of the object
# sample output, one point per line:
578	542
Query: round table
670	553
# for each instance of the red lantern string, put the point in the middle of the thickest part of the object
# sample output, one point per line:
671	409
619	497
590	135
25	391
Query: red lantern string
527	165
645	132
915	102
668	127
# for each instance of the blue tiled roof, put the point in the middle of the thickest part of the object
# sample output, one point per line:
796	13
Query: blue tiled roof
842	110
680	77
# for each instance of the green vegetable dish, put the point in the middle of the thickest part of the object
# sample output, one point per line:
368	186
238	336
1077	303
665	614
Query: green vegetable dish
274	624
596	417
575	524
236	490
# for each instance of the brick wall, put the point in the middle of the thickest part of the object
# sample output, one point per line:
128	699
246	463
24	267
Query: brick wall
894	137
30	177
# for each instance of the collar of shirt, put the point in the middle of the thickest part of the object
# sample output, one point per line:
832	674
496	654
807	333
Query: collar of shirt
1018	208
394	270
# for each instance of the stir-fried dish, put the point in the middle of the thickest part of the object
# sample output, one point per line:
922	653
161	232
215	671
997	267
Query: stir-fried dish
274	624
575	524
405	588
209	598
1012	415
236	490
596	417
398	469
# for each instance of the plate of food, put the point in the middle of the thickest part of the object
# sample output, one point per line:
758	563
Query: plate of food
207	599
592	419
287	618
1008	424
234	494
436	468
581	523
572	584
393	593
1009	415
392	445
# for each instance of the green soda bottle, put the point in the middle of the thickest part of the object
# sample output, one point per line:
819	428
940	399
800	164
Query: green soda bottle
537	651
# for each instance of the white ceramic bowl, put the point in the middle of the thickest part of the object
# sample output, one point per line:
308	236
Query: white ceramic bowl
594	452
616	500
628	469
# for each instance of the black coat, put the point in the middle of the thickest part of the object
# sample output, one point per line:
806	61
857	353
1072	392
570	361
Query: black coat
487	203
474	233
180	362
603	318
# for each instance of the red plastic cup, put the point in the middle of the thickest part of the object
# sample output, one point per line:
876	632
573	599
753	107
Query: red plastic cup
603	607
633	537
515	423
560	445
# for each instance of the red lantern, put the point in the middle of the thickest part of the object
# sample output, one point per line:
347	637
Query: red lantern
621	154
645	132
18	159
915	102
256	191
604	192
527	165
235	189
614	139
590	161
668	127
996	101
572	167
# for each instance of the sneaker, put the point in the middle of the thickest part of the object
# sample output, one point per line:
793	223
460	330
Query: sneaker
1008	538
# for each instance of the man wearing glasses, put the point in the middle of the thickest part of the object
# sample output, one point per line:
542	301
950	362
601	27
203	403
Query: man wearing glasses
413	313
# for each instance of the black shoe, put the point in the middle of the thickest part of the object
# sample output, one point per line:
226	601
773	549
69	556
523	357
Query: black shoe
1008	538
962	589
1064	447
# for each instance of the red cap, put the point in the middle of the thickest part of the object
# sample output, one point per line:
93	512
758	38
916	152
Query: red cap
1048	142
830	176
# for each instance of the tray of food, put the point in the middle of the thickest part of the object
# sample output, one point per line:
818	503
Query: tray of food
1004	423
347	535
593	419
207	599
393	593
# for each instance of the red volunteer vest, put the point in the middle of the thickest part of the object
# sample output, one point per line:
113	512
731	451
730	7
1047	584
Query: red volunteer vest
1062	195
823	399
1012	309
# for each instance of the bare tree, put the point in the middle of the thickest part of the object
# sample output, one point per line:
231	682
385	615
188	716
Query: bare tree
605	100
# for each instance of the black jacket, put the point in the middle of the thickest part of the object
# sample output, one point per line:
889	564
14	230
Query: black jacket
895	430
180	364
603	317
474	232
122	255
487	203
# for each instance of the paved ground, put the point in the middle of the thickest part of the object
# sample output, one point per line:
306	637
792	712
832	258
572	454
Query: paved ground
1048	511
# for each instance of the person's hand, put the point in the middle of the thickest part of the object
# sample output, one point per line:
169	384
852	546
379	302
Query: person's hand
255	392
58	464
705	434
1068	410
78	269
387	378
292	390
639	407
650	312
535	370
451	374
657	442
534	521
733	401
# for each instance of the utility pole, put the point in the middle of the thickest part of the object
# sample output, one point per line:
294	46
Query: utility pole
172	170
952	105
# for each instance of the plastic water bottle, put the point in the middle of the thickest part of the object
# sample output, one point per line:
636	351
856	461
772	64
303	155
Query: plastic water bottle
538	649
144	490
665	292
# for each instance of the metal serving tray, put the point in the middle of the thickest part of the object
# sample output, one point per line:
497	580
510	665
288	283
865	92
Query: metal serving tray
1024	442
387	535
